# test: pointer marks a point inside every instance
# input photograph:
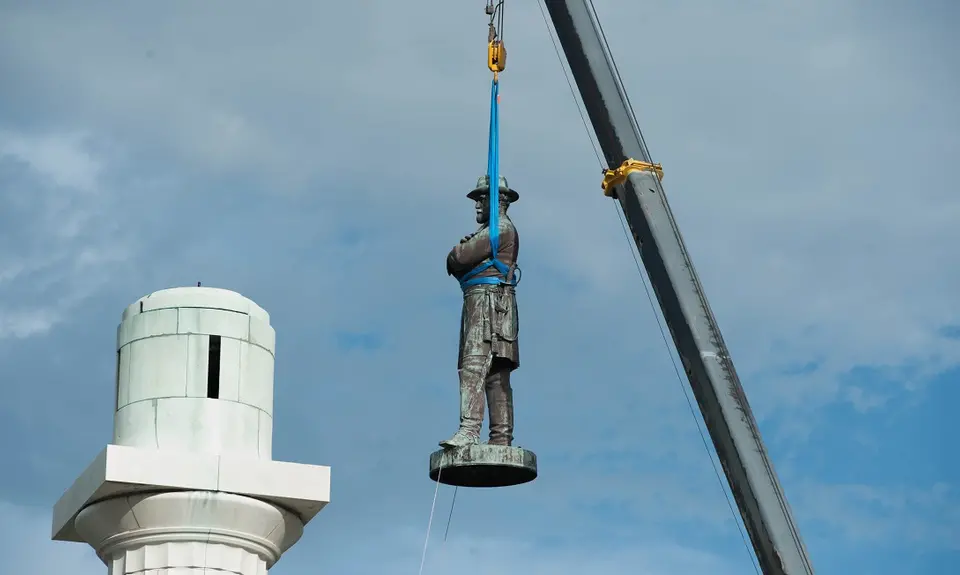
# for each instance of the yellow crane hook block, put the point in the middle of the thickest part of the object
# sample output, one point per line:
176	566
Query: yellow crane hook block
496	56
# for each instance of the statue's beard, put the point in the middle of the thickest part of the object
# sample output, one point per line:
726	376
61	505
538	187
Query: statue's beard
483	218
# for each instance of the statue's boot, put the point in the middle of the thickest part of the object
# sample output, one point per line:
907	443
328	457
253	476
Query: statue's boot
472	378
500	400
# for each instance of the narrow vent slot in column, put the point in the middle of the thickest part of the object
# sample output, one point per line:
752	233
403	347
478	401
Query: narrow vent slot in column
213	368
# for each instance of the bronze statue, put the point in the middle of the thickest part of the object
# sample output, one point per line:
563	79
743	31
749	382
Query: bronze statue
489	326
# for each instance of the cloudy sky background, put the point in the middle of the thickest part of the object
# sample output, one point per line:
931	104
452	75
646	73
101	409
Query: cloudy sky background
315	155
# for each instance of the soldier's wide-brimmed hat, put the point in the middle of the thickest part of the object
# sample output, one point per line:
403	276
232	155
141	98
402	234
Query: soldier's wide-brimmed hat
483	188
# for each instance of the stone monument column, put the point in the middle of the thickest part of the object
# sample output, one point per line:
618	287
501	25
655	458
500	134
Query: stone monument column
188	485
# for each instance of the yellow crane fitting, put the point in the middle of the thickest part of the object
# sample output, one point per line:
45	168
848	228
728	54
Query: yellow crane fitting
615	177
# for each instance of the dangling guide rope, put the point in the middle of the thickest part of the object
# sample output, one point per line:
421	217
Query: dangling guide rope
433	507
450	516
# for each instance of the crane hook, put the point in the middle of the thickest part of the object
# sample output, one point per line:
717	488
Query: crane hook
496	51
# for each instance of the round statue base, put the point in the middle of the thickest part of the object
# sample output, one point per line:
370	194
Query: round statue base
483	466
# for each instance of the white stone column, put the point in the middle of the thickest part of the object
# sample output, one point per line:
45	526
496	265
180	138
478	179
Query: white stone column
188	485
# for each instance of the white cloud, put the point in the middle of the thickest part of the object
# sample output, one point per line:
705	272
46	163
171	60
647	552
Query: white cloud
923	517
61	158
22	324
56	229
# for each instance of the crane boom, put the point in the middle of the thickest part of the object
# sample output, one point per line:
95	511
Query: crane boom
706	361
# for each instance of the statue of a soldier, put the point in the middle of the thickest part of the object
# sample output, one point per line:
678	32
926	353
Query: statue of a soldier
489	322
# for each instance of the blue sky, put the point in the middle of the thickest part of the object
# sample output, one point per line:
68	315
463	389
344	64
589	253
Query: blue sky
315	158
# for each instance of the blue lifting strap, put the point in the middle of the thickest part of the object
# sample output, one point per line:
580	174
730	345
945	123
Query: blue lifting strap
493	222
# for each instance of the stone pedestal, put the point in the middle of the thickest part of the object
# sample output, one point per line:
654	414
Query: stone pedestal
483	466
